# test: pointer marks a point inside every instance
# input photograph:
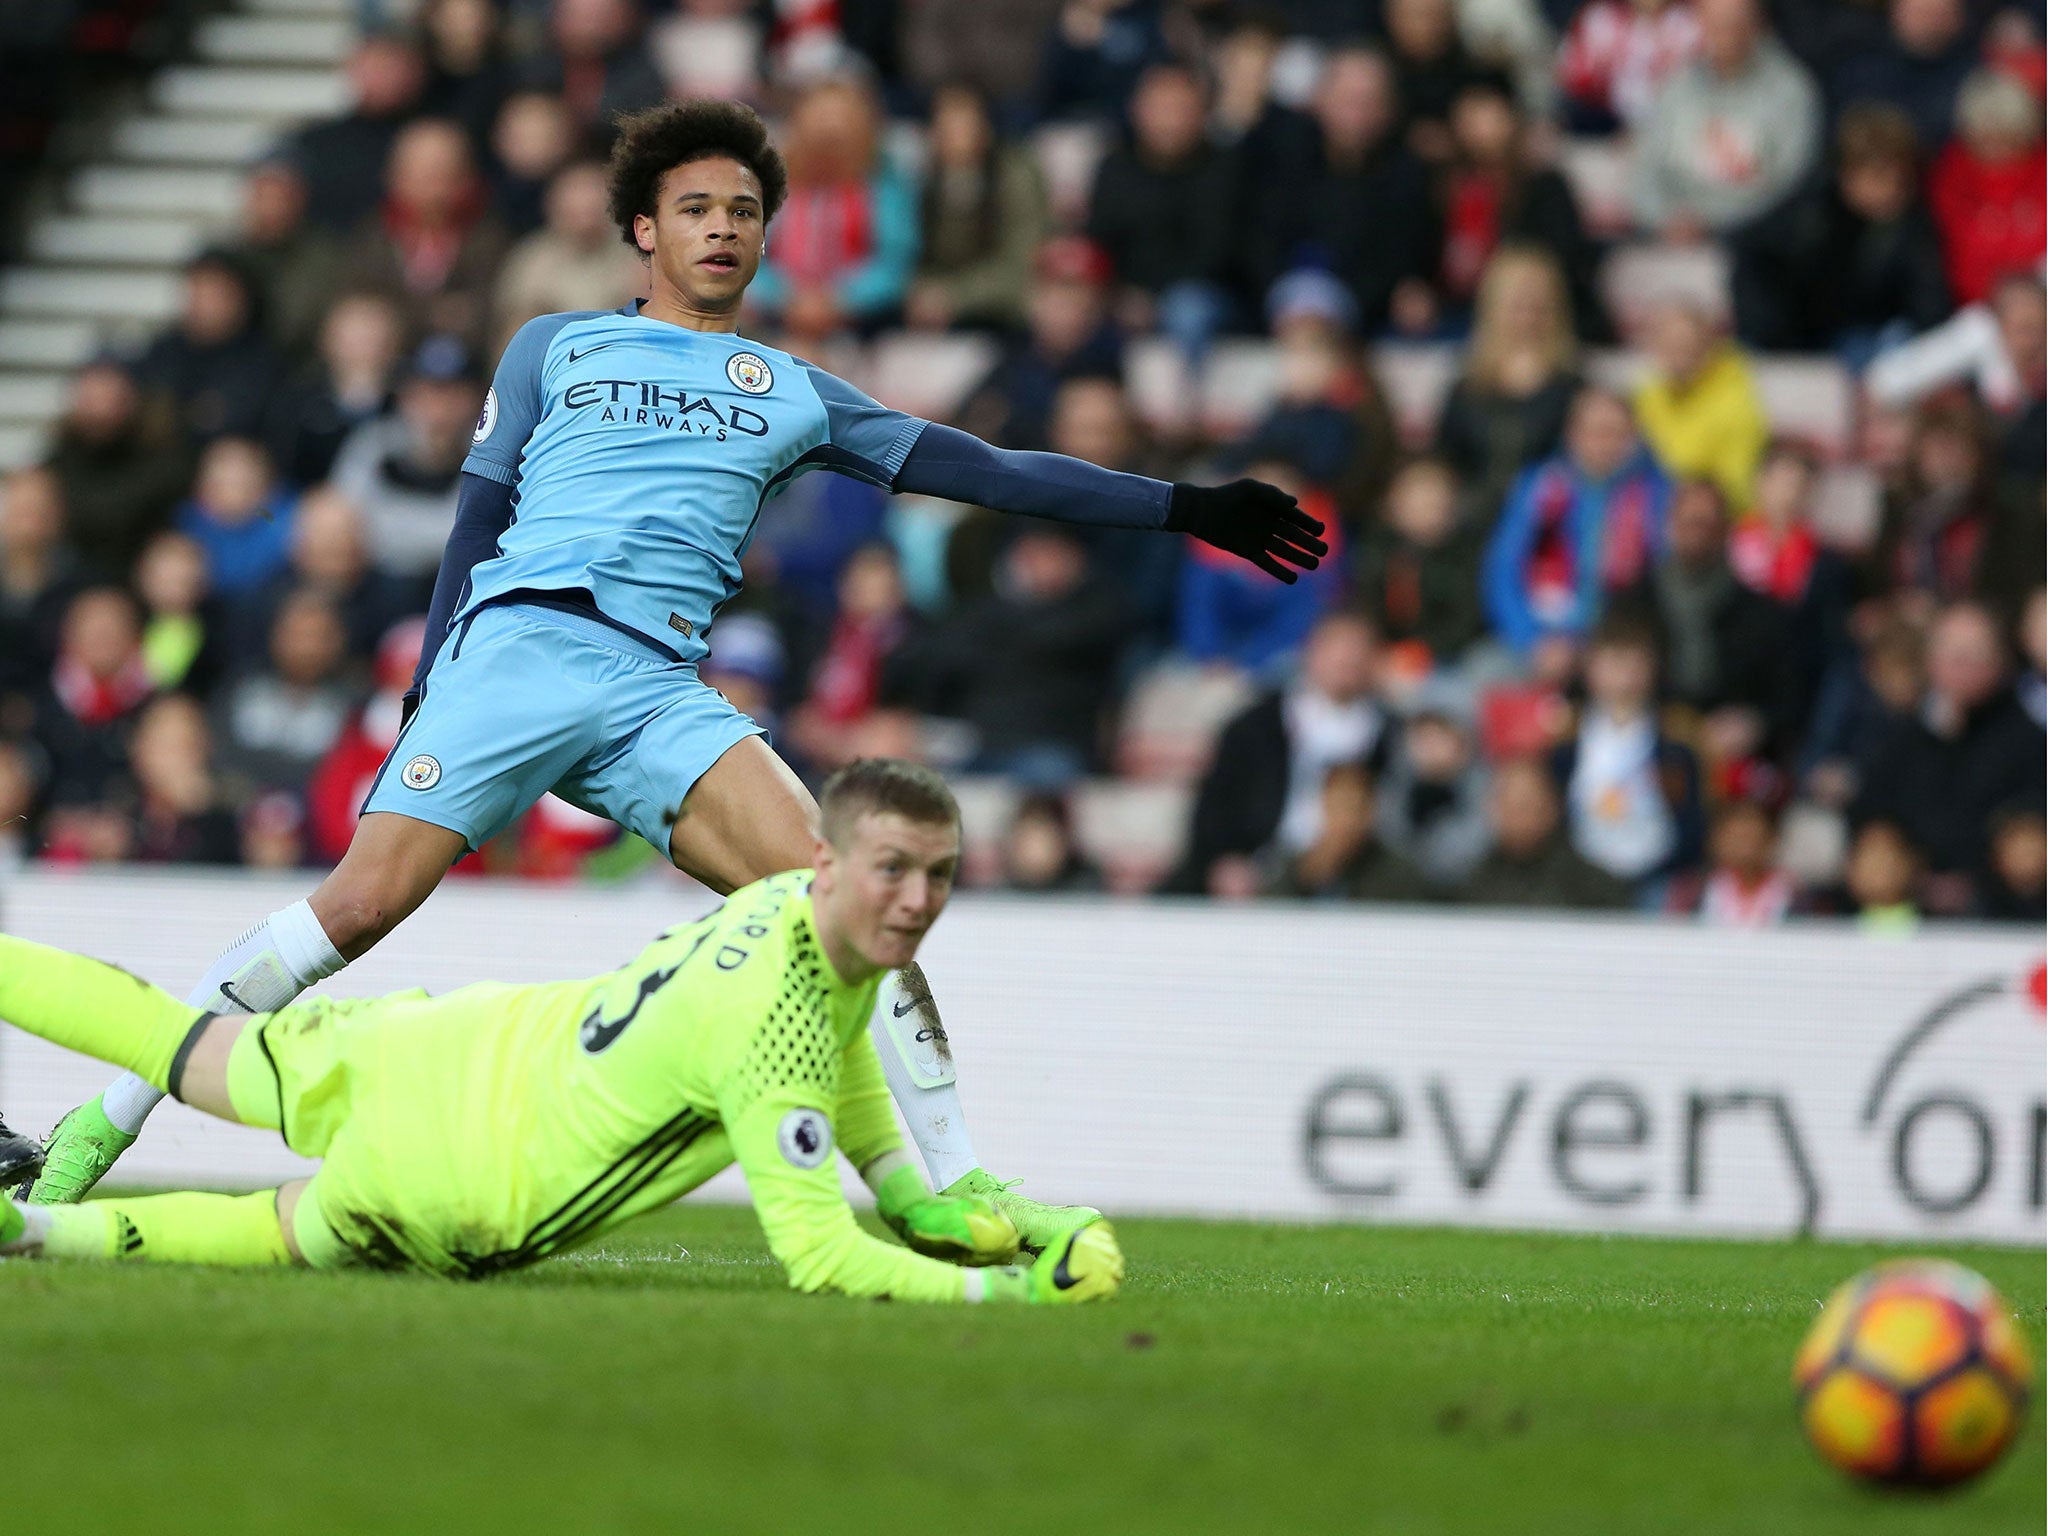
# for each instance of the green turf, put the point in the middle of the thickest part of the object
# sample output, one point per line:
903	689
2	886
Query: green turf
1252	1379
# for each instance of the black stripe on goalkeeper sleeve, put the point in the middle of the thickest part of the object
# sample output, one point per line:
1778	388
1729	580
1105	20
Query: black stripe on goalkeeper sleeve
947	462
483	511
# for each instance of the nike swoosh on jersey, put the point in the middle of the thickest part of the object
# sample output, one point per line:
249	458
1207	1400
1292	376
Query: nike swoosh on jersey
574	354
597	1032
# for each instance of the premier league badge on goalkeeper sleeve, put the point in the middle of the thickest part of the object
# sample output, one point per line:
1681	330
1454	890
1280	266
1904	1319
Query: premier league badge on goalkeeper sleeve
805	1137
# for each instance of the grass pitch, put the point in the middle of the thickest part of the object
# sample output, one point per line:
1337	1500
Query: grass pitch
1256	1379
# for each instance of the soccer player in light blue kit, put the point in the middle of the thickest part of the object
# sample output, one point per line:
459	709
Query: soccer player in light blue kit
618	471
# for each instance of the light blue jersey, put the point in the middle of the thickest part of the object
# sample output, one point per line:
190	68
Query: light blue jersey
642	454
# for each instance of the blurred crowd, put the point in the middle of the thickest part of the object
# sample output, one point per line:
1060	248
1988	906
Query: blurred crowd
1578	646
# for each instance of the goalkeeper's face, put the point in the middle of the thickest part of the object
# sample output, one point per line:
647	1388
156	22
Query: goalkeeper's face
705	235
879	894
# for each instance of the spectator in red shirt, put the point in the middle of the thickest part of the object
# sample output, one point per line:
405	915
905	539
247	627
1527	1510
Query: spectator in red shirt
434	246
179	815
1743	887
1773	548
1987	189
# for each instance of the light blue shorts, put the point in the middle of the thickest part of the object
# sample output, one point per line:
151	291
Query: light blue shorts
523	700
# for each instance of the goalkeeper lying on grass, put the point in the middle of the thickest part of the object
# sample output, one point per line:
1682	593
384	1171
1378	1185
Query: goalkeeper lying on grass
483	1130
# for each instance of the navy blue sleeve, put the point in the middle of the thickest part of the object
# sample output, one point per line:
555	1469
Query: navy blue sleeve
483	511
863	437
950	463
512	408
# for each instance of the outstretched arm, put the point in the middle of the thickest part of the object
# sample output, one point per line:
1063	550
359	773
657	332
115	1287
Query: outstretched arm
901	453
1249	518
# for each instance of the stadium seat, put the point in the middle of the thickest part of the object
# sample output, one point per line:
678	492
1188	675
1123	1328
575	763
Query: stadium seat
1809	398
928	375
1417	377
1598	172
1636	279
1172	717
1239	386
1067	156
1133	831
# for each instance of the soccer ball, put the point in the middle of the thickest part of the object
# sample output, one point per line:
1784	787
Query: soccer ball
1914	1374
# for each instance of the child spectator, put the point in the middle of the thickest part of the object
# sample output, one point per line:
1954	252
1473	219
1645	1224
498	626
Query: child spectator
1938	513
1699	409
240	515
1987	187
1866	695
1509	407
1418	566
846	240
1039	854
1773	547
1433	794
179	817
1231	613
984	215
97	687
1347	858
1634	793
1617	56
280	720
1532	862
2016	888
1577	529
1881	874
1331	420
178	630
1742	886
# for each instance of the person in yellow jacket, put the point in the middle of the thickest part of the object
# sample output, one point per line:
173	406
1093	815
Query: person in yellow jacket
1699	410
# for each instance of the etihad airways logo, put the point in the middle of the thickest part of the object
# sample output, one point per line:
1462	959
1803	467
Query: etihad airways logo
642	403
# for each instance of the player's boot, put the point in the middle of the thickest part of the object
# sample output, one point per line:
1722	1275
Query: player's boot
21	1159
1039	1226
77	1156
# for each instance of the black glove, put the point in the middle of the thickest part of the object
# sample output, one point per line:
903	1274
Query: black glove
1250	518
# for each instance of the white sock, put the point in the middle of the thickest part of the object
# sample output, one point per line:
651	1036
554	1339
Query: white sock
260	972
918	1063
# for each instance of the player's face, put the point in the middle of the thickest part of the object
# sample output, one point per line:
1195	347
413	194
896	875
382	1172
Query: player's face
706	233
885	889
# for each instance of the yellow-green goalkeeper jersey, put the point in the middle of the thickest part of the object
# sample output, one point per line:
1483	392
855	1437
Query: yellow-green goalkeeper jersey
511	1122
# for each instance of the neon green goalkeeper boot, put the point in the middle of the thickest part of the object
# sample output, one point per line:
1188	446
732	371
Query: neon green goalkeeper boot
1039	1226
77	1156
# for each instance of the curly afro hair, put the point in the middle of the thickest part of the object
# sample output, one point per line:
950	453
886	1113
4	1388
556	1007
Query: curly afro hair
655	142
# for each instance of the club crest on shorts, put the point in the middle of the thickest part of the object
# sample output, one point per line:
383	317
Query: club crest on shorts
487	418
422	772
805	1137
750	372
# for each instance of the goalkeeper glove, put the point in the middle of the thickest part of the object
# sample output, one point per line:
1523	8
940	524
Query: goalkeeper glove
958	1229
1086	1266
1250	518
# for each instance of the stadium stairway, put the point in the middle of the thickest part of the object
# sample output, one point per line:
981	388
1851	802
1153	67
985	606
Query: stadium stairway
163	177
